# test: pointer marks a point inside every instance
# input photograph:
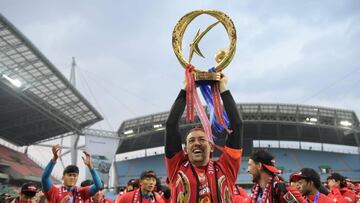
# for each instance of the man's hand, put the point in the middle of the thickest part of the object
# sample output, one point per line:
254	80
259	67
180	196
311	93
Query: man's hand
87	160
56	151
223	83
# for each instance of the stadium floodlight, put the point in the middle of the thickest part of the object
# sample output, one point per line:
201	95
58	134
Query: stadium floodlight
162	128
157	125
14	82
345	123
128	132
314	120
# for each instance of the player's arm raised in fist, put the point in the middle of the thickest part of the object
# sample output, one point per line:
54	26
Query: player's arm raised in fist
87	160
56	152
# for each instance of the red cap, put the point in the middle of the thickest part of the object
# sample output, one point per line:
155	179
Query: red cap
271	168
29	187
266	159
296	176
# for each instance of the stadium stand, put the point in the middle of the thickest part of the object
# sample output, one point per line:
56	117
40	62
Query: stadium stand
310	129
290	160
18	167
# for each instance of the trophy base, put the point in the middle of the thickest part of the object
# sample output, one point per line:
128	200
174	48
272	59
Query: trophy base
207	76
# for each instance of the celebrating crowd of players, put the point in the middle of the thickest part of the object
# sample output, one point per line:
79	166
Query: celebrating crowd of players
194	176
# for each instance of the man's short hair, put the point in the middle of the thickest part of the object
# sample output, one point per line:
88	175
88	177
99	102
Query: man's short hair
86	183
147	174
71	169
89	182
338	177
131	182
196	128
136	184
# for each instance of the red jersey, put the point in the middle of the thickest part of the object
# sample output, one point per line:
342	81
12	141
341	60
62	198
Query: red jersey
189	183
136	197
104	200
342	195
321	199
77	194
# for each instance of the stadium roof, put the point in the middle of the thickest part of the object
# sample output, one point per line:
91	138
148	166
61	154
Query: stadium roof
36	100
261	122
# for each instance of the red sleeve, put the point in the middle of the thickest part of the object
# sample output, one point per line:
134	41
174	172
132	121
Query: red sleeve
295	193
230	161
173	165
349	196
324	199
51	194
84	192
336	196
118	198
243	192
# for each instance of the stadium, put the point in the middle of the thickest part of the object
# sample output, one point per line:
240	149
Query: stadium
298	136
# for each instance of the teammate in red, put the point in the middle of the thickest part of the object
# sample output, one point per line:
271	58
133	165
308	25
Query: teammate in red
355	188
194	175
307	181
144	194
268	186
132	184
339	193
99	197
68	192
27	194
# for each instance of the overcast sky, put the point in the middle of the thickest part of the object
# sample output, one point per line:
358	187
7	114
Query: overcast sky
301	52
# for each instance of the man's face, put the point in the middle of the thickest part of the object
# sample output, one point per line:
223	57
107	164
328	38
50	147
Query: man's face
148	184
198	148
332	183
70	179
27	196
254	170
303	186
350	184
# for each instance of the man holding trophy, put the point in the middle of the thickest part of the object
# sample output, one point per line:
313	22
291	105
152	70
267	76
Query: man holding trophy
194	175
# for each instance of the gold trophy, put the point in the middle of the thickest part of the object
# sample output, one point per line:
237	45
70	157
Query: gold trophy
223	57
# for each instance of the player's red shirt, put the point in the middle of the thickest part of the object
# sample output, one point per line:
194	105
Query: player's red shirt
77	194
135	197
183	182
342	195
104	200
